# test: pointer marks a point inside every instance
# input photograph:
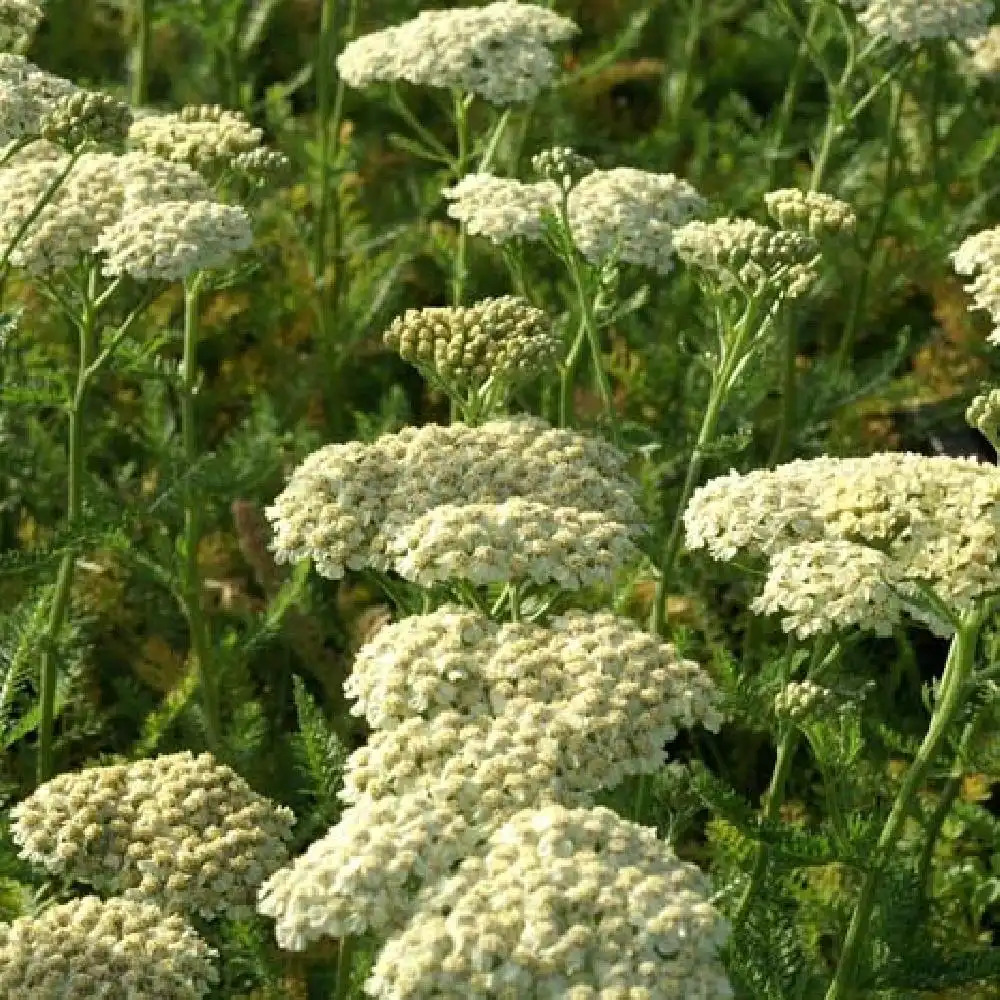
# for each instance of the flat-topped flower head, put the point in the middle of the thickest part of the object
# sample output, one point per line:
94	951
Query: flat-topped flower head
928	522
206	137
753	258
346	504
500	51
18	21
802	700
502	208
575	903
813	212
983	414
27	94
87	116
910	22
503	340
99	189
562	165
631	214
172	239
978	257
179	831
90	948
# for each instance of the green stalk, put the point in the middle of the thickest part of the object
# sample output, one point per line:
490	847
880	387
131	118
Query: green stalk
460	272
953	694
888	190
343	986
567	377
773	798
191	586
329	28
695	25
141	44
86	324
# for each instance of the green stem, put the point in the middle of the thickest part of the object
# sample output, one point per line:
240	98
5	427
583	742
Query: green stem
141	47
86	324
567	377
953	693
191	585
460	271
709	422
949	794
329	27
344	949
695	22
773	798
856	313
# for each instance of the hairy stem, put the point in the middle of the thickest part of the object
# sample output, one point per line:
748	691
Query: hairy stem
953	693
191	584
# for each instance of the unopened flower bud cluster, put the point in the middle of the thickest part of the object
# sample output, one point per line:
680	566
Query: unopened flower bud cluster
86	116
813	212
743	254
500	51
979	258
347	503
90	948
479	720
505	339
564	903
206	137
837	531
18	21
801	700
910	22
562	166
171	239
179	831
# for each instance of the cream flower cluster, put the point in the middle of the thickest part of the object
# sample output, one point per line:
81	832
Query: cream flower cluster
473	721
502	208
632	214
910	22
499	51
754	258
99	190
179	831
562	165
978	257
89	948
983	414
171	239
565	903
801	699
207	137
27	94
86	116
503	339
813	212
517	539
18	21
346	503
984	53
915	522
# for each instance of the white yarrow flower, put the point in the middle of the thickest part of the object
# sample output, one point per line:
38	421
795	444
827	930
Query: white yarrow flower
502	208
499	51
910	22
168	241
979	258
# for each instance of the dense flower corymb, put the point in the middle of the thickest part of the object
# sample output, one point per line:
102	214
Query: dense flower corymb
630	213
502	208
910	22
813	212
346	503
499	51
564	903
922	522
120	949
173	239
18	21
179	831
979	258
27	94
